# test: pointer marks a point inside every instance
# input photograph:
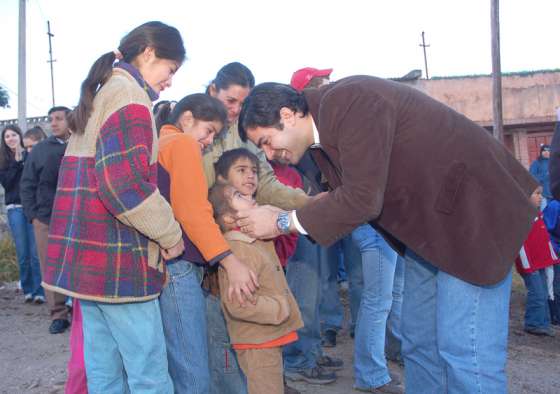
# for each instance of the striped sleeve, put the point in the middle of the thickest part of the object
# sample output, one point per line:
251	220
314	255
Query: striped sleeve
122	169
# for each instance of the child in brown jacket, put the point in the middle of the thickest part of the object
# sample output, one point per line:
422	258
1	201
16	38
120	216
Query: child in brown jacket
257	331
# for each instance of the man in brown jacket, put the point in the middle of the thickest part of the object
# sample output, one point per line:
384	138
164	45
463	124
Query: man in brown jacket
440	189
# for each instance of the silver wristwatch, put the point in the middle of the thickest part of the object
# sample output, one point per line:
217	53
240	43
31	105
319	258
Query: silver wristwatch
283	222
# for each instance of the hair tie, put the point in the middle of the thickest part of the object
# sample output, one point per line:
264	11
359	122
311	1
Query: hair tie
118	54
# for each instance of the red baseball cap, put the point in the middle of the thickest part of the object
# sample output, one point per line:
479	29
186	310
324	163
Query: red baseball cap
301	77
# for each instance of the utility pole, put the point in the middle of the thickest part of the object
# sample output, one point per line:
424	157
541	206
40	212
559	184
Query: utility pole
51	61
498	129
22	86
423	45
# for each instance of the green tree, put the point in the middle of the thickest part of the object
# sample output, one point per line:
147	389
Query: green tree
4	98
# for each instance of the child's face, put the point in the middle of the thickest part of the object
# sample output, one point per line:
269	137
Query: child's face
203	131
242	175
238	201
536	197
29	143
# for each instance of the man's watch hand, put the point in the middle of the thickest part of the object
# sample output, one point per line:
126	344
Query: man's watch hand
283	222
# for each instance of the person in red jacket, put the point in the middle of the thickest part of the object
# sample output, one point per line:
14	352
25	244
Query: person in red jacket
534	257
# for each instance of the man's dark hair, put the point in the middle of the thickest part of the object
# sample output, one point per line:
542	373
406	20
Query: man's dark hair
228	158
262	106
59	108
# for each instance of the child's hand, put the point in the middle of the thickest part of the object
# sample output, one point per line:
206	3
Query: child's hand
174	251
242	281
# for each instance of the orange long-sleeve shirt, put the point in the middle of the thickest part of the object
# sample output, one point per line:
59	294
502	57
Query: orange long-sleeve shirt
181	160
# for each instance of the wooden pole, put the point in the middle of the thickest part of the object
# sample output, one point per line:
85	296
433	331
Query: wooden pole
22	84
51	61
424	46
498	129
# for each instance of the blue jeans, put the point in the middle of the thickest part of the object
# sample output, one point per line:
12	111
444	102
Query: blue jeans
183	313
304	279
124	344
26	252
454	333
225	375
330	309
537	313
393	338
378	265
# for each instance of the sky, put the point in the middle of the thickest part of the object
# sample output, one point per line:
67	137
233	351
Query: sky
275	38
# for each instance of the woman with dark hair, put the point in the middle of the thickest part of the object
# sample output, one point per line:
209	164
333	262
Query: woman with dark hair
112	224
12	158
190	127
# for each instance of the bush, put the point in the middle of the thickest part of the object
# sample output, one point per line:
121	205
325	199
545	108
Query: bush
9	270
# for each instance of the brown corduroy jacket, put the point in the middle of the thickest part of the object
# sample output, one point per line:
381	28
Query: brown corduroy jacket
276	312
425	176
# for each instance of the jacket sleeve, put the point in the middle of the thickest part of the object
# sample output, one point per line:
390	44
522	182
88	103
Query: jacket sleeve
189	198
269	309
364	140
29	183
122	169
11	175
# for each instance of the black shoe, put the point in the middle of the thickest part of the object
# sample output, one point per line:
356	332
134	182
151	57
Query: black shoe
330	363
329	338
315	375
58	326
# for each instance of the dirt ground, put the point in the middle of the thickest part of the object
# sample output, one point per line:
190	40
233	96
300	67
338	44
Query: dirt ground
33	361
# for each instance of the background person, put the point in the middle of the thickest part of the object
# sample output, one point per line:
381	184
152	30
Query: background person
12	158
37	190
539	169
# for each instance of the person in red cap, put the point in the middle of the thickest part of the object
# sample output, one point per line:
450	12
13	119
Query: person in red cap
310	77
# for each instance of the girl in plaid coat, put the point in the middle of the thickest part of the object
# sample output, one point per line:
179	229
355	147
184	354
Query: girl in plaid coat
110	225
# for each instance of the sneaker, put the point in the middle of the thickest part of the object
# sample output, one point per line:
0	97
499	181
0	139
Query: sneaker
330	363
329	338
39	300
389	388
540	331
313	375
28	298
58	326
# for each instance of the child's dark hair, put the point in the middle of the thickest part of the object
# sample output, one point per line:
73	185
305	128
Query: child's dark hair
35	133
228	159
221	203
60	108
202	107
233	73
167	44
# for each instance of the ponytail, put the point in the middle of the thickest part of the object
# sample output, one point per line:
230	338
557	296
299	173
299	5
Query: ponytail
98	74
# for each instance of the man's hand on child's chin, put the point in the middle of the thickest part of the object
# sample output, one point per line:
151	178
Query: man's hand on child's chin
259	222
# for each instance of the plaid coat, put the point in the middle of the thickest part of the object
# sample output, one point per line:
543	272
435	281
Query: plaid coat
109	219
